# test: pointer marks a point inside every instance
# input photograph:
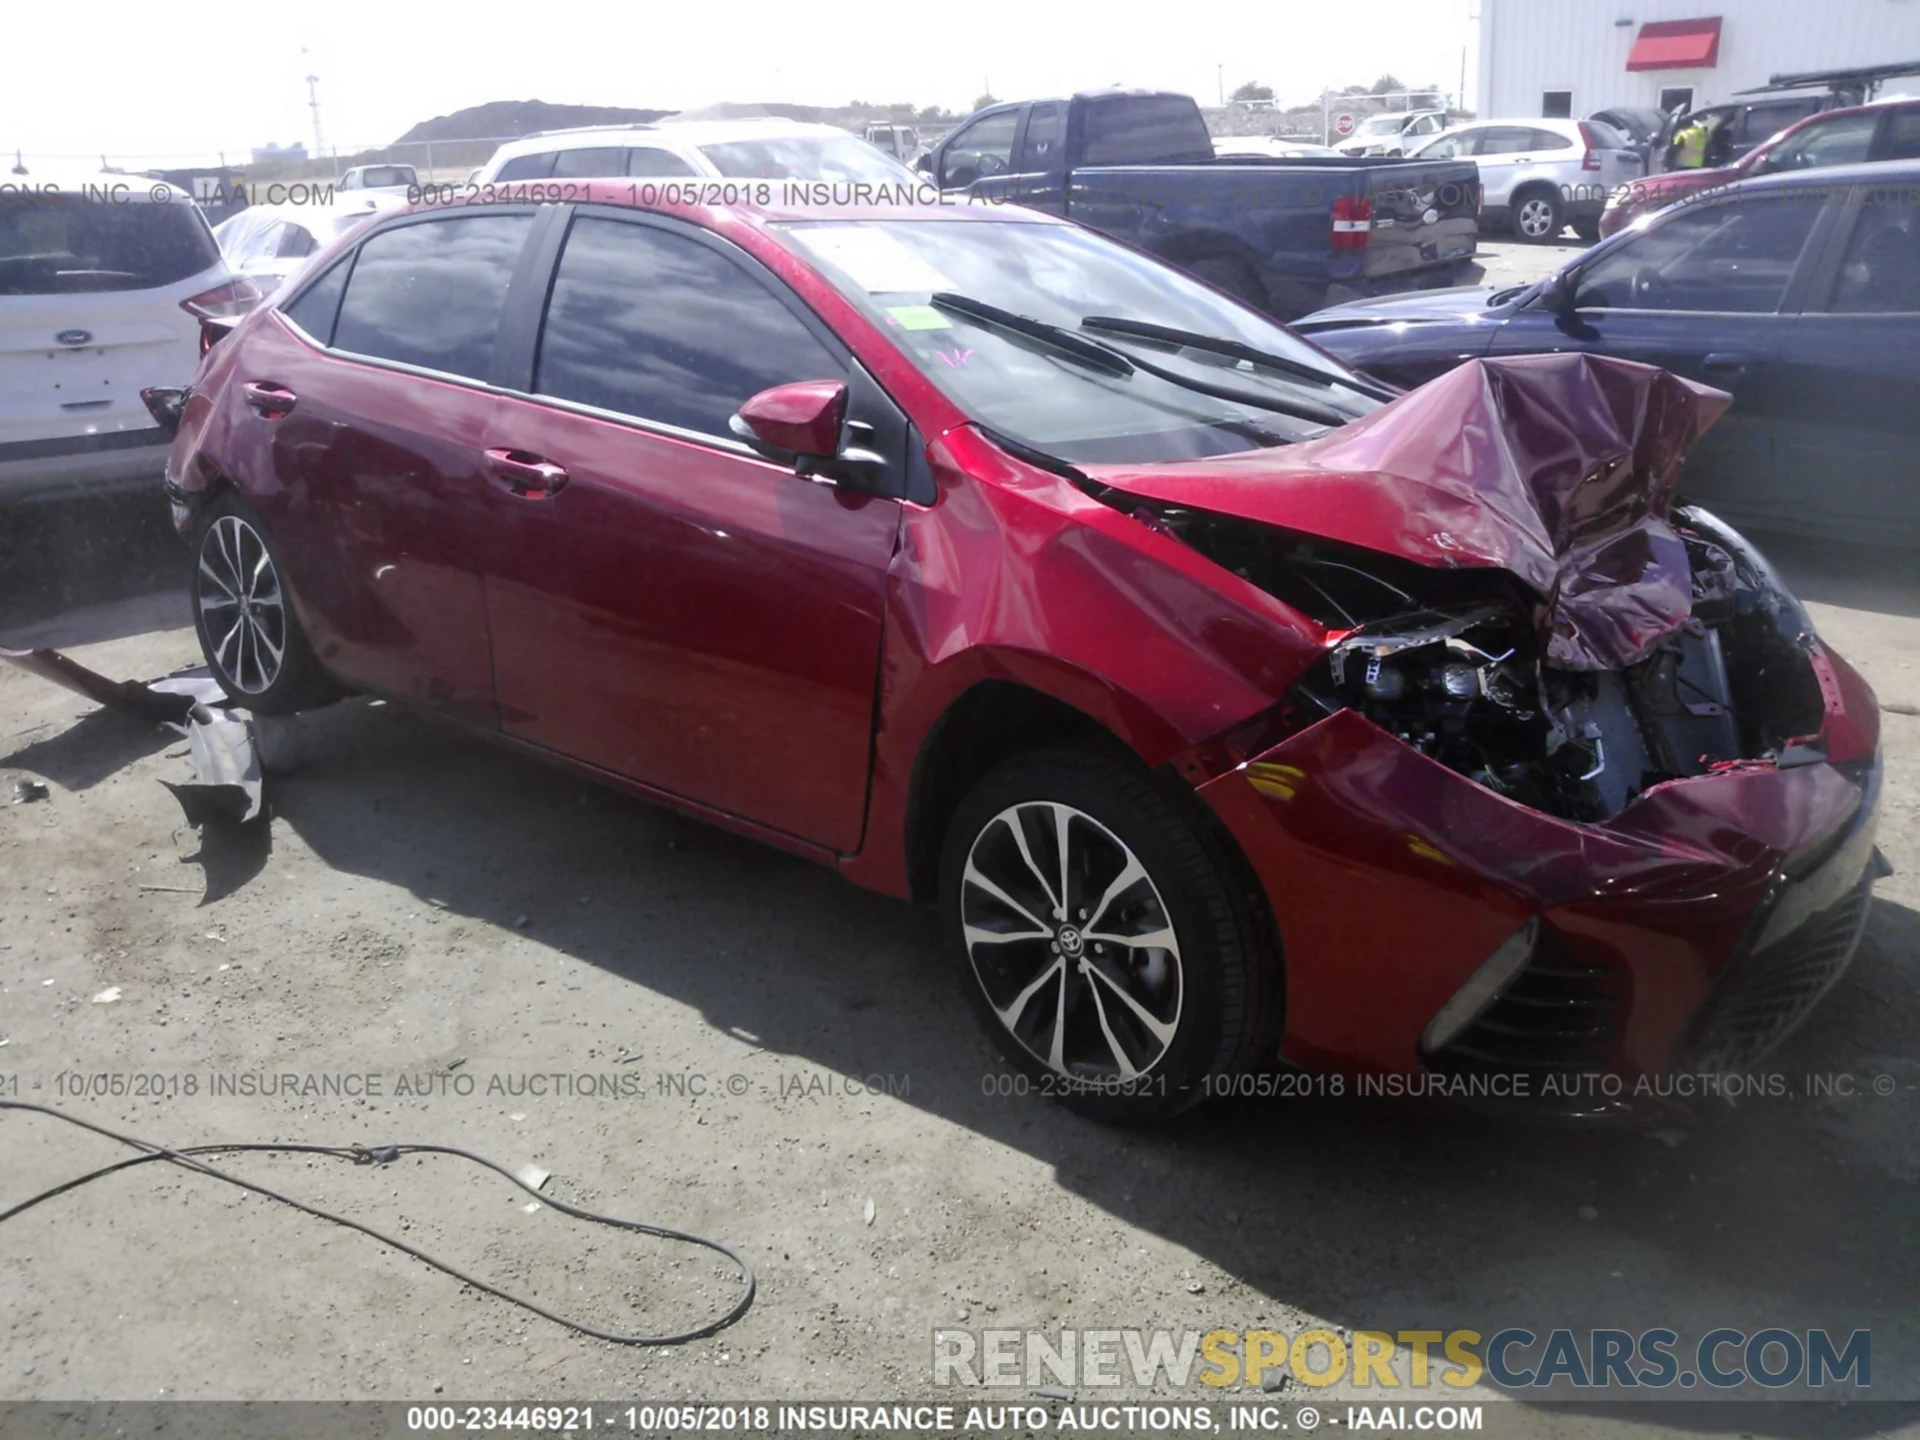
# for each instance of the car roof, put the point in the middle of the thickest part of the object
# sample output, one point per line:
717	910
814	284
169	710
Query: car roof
668	133
1866	172
777	211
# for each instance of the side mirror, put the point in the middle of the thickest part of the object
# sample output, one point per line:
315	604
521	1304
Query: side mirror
791	423
924	164
801	425
1561	292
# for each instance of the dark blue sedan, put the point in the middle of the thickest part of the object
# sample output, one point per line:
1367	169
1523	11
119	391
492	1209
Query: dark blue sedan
1799	293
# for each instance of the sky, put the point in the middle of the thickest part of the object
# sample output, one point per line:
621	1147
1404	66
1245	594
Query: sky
146	83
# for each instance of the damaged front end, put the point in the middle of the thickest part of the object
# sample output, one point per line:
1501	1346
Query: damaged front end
1573	783
1471	685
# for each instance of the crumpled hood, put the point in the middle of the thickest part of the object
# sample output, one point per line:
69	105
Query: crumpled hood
1557	468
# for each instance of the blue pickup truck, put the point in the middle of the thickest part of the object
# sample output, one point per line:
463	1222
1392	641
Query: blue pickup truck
1286	236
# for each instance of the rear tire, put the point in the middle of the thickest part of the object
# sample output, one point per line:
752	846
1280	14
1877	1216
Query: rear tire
244	615
1117	1030
1537	217
1236	277
1587	230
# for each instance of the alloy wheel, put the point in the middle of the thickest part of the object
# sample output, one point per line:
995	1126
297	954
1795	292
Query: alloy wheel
243	609
1536	216
1071	942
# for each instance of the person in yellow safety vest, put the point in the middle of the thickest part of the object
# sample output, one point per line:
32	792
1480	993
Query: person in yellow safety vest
1690	146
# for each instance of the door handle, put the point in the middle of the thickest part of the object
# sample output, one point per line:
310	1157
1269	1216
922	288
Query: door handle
271	400
529	476
1726	362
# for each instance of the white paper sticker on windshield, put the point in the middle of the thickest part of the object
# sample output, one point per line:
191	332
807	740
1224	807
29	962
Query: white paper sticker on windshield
872	259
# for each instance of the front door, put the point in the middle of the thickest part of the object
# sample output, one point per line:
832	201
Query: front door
671	607
1701	294
1849	430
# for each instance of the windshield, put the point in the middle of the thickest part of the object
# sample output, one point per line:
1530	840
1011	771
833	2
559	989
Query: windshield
1383	125
808	157
1037	393
386	175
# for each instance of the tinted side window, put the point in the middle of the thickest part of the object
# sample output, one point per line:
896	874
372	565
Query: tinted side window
598	160
1736	256
1881	272
296	242
982	150
1046	128
1547	140
1506	140
527	167
665	328
313	312
1843	140
1901	139
431	294
654	163
1145	130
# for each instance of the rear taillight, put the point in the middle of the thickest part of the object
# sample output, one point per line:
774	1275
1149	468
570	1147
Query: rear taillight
1352	221
1588	161
224	302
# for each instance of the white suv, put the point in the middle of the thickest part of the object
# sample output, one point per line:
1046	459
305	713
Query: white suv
736	149
1538	176
104	280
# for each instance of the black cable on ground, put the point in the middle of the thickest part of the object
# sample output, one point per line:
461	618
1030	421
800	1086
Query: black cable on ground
386	1154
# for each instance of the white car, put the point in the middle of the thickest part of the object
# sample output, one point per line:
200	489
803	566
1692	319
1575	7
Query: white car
1271	147
397	179
734	149
104	280
1539	176
270	243
1394	133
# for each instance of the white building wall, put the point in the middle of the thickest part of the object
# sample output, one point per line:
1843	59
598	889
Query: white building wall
1530	46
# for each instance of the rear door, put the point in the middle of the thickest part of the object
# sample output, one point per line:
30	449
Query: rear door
677	610
1502	153
1848	426
373	389
1701	293
94	296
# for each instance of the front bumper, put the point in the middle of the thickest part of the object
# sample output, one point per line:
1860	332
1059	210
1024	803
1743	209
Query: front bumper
1692	930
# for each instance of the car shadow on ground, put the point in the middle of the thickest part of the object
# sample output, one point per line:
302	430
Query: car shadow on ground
1780	1210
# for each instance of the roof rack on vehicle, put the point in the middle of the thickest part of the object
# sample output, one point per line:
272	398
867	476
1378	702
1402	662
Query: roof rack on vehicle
587	129
1865	78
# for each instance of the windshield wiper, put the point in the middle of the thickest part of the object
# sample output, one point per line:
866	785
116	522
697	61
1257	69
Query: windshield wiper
1235	350
1103	357
1065	341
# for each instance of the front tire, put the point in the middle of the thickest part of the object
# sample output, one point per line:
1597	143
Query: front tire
1103	938
244	616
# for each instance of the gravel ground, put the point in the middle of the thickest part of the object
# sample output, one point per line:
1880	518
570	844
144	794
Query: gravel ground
430	912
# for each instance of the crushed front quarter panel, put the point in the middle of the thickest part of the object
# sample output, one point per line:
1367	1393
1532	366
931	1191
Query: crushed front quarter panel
1557	468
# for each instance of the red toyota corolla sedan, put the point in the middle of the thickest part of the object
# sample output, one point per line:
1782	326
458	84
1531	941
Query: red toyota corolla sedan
1232	709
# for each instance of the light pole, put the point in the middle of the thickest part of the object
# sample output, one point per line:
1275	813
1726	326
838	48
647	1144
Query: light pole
1220	74
313	103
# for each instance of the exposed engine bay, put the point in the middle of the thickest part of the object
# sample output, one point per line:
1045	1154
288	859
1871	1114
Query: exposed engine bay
1453	663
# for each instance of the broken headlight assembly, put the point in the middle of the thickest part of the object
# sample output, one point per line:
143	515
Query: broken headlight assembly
1452	663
